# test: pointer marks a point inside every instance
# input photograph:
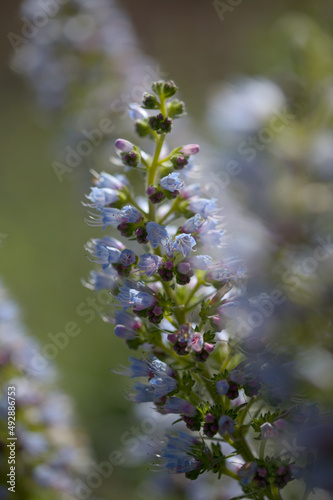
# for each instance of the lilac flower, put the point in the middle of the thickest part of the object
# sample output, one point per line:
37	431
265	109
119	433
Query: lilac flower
175	455
190	149
126	325
136	112
100	197
131	297
226	424
179	406
193	224
126	319
127	257
149	367
172	183
149	263
123	332
203	206
196	343
184	243
184	268
222	387
202	262
105	180
156	234
124	146
163	385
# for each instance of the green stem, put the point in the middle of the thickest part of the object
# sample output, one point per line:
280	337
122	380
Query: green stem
275	492
152	172
134	203
226	361
262	449
229	473
191	294
246	410
169	212
198	302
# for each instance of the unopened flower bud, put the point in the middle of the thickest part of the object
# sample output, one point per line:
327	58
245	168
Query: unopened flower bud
179	161
142	128
190	149
124	146
169	89
184	268
176	109
131	159
149	101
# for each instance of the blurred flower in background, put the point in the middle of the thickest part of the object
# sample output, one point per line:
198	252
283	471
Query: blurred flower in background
51	452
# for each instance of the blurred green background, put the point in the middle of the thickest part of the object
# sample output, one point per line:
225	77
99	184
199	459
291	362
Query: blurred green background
42	256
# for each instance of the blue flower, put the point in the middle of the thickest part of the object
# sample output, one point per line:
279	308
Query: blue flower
131	297
156	234
102	280
175	454
127	257
247	472
100	197
114	217
108	217
169	248
149	367
163	385
105	251
105	180
172	182
202	262
193	224
203	206
130	214
179	406
184	243
190	191
149	263
222	387
226	424
144	393
136	112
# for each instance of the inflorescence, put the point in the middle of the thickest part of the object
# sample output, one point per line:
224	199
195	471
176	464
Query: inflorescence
170	302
